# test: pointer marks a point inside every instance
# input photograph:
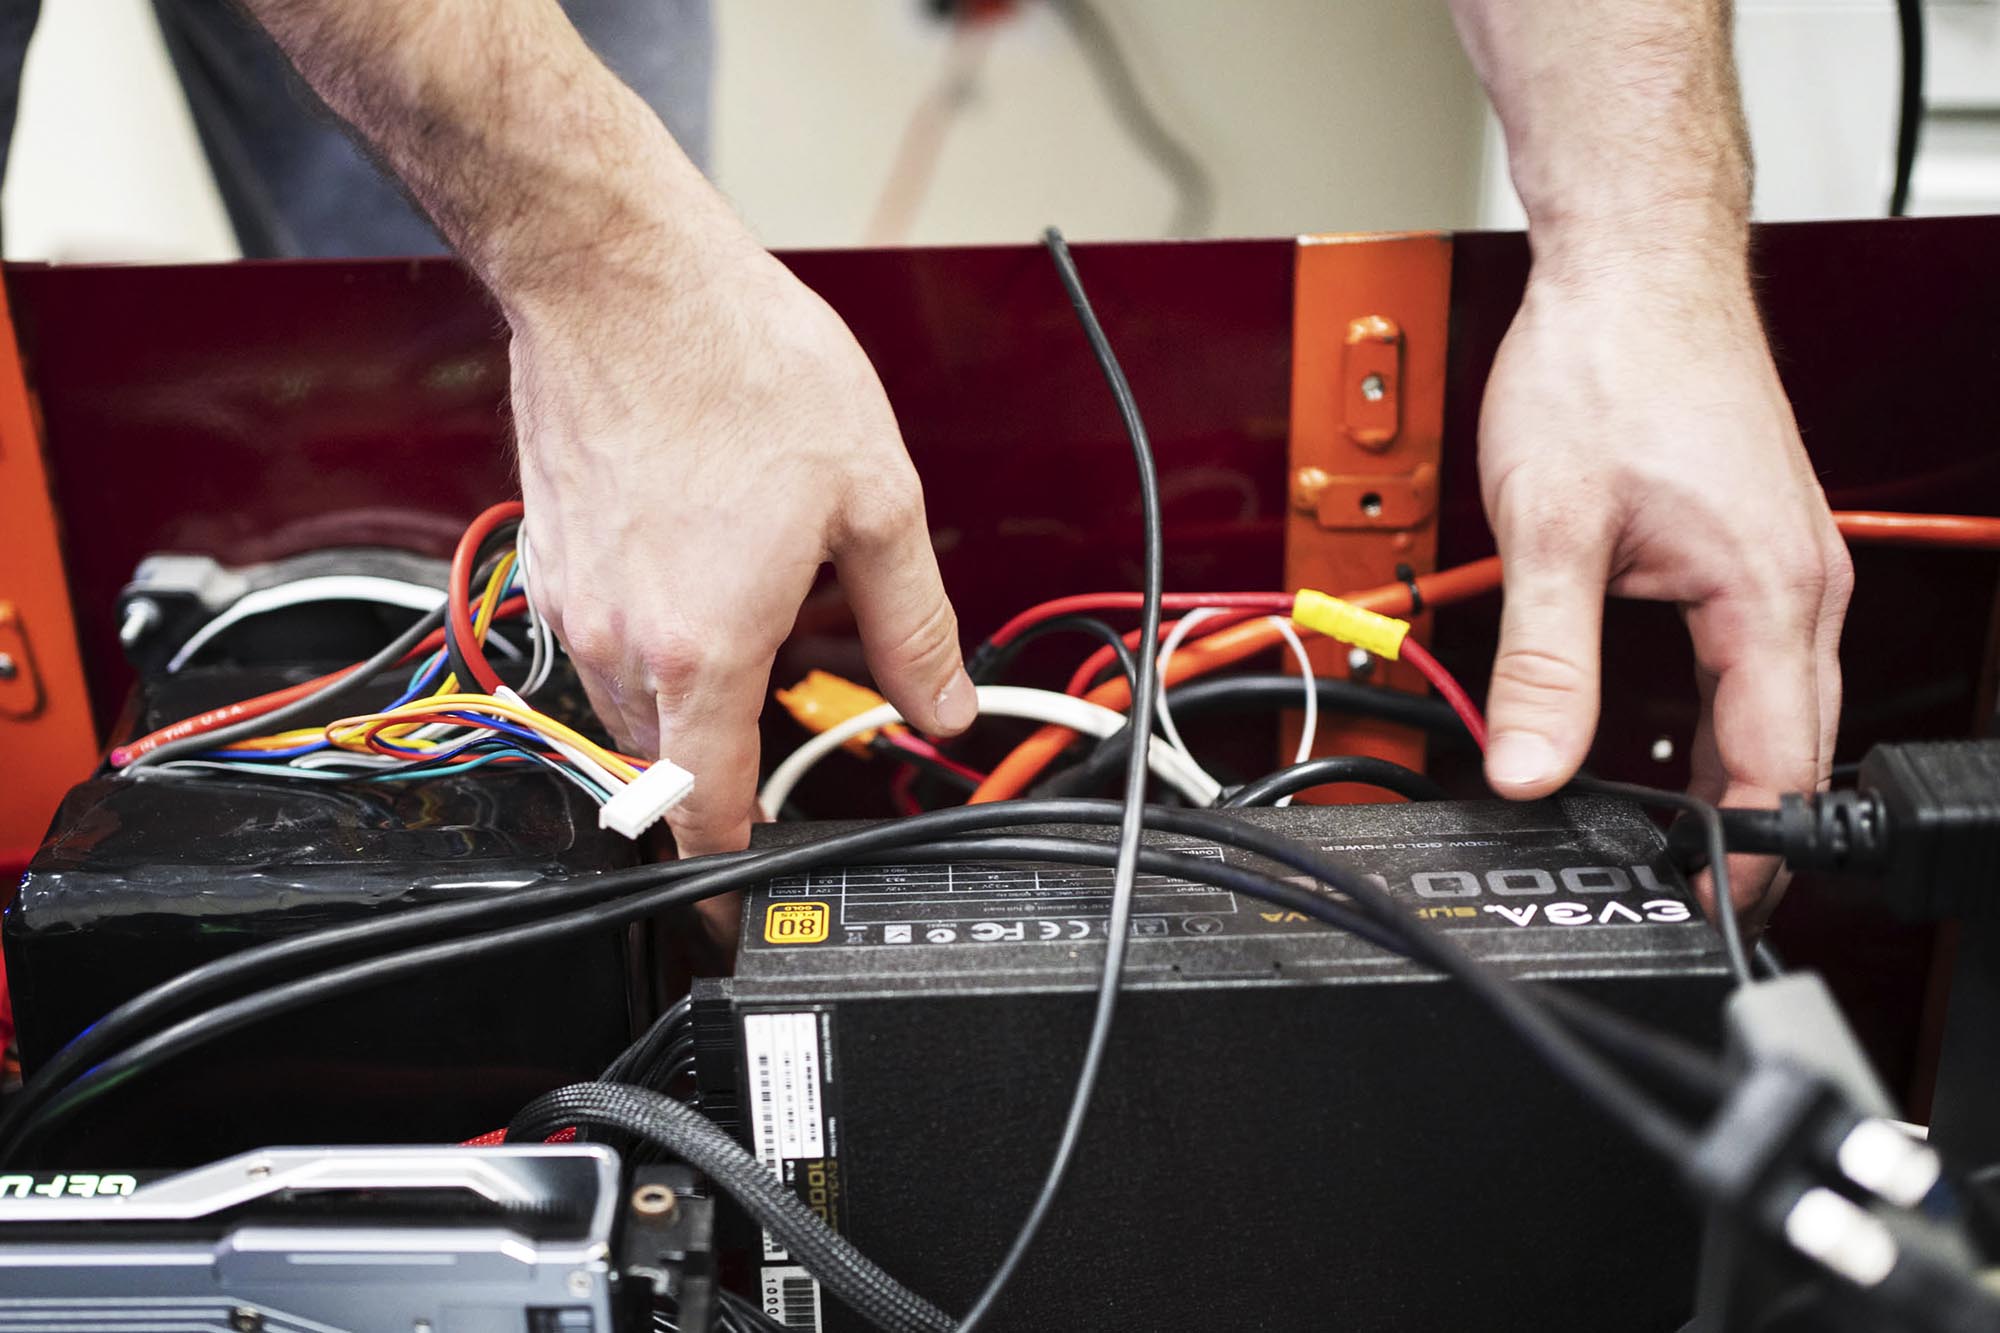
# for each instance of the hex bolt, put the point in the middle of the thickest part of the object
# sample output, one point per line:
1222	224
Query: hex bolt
1360	663
243	1319
652	1201
1308	484
1374	388
9	668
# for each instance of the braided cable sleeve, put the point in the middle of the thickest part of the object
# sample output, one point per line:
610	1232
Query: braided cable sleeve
704	1145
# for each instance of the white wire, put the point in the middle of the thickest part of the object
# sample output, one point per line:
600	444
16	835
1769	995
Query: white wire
1166	714
227	766
507	647
1283	625
599	774
324	588
544	662
1061	710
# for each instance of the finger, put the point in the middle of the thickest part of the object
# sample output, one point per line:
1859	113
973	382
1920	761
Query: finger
1755	882
1826	651
1759	651
1541	705
707	723
908	629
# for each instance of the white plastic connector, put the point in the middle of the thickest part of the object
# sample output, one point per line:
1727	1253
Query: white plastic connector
640	803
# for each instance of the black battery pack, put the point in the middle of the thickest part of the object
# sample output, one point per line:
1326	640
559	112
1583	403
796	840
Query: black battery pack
142	878
1293	1128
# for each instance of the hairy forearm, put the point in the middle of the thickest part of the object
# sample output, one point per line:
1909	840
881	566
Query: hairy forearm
545	172
1624	127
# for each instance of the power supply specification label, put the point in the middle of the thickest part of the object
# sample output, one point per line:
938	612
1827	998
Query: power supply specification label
1555	877
794	1132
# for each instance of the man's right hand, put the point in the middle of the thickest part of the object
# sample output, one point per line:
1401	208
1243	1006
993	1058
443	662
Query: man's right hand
696	438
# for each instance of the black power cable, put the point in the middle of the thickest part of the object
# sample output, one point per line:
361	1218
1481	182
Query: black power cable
1339	768
1145	698
1275	690
1715	842
1910	102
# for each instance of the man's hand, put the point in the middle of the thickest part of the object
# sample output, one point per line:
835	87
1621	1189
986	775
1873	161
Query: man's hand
691	451
698	431
1634	436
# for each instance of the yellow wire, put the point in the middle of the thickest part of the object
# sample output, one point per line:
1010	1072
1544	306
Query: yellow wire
346	732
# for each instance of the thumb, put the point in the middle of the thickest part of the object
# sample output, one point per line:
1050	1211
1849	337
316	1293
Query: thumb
908	629
1541	706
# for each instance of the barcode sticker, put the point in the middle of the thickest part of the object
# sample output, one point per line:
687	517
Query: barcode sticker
791	1296
786	1120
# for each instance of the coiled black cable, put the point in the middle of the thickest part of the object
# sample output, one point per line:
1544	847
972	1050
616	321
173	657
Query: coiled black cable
659	1120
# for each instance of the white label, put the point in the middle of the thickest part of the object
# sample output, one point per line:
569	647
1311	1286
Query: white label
791	1296
786	1124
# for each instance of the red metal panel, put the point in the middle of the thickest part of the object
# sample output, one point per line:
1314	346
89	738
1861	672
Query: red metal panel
249	410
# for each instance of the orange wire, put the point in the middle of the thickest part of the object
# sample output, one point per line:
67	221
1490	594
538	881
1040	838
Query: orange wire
1966	531
1013	774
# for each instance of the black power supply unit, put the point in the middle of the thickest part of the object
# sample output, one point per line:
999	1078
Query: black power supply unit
1293	1129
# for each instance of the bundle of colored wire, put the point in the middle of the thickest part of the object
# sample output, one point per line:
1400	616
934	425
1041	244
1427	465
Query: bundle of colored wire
455	716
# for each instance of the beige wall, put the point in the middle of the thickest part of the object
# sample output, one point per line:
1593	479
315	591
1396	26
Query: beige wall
1311	114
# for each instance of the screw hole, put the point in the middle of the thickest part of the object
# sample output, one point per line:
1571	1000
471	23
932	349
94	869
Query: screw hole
1371	504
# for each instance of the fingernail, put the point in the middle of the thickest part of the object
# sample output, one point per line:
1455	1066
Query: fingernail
957	704
1519	759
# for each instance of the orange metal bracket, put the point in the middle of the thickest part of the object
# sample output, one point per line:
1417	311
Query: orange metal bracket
1369	316
47	739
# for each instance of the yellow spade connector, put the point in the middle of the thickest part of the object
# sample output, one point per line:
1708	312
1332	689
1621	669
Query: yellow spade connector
823	701
1379	634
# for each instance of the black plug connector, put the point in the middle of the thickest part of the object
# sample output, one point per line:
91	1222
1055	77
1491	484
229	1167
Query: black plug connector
1924	817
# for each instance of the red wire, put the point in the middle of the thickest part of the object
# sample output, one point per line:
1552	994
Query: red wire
493	1137
458	617
902	740
1132	601
276	699
902	791
1447	685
